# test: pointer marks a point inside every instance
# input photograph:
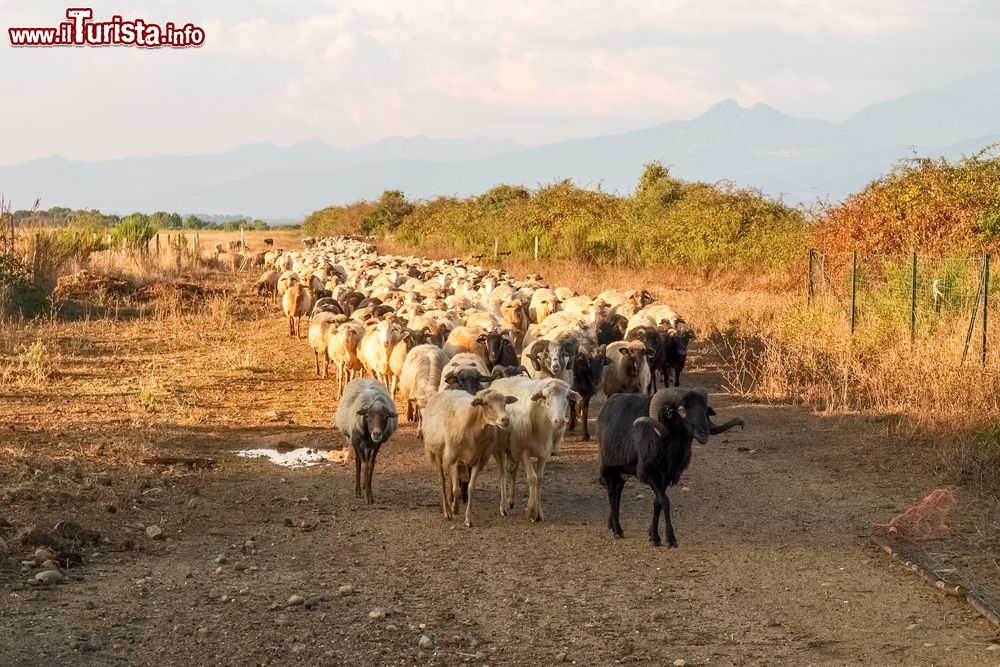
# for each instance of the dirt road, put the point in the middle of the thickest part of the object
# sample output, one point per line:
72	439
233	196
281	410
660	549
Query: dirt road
775	564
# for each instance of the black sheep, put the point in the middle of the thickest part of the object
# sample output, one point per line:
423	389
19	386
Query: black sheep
675	353
650	437
611	329
588	371
499	350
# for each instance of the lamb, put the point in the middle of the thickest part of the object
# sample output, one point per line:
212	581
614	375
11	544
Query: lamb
628	371
419	379
538	423
267	285
462	431
297	303
650	437
367	416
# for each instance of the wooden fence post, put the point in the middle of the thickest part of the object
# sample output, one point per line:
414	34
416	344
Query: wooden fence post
536	248
496	247
157	245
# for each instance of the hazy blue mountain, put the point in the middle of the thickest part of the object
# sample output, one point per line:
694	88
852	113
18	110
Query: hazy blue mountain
799	159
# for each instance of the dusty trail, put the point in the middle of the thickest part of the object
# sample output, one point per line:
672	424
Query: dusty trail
775	565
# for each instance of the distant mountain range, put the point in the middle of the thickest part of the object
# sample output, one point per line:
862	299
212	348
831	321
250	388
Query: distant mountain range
798	159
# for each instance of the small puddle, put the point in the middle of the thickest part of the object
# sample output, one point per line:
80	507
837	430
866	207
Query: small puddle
296	458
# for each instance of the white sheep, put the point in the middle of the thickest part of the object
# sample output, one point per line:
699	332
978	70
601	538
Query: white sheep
537	426
461	432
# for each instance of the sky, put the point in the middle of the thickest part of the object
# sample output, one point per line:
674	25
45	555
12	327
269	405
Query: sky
535	71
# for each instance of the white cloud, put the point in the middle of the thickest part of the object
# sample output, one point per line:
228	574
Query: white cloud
533	70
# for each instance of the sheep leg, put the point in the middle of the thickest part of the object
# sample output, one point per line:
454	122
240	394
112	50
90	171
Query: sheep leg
455	486
357	473
445	500
654	525
511	476
291	326
409	410
316	354
531	510
326	366
373	454
585	417
473	474
502	475
572	415
661	496
615	483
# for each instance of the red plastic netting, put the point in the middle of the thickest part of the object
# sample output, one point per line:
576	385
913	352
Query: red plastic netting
925	520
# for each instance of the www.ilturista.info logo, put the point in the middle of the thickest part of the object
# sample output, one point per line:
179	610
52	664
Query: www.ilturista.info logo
80	30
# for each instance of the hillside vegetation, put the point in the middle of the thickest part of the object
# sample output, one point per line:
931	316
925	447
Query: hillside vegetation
665	221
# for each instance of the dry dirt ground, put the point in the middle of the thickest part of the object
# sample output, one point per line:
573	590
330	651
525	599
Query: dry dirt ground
775	566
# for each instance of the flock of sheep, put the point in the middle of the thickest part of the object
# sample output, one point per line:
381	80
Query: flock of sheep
493	368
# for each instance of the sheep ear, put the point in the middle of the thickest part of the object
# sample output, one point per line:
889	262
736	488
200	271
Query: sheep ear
624	350
481	339
477	402
362	412
710	412
682	411
486	378
605	361
574	396
537	397
450	377
511	399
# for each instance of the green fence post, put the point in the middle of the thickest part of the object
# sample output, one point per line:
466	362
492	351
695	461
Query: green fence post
913	302
854	290
986	299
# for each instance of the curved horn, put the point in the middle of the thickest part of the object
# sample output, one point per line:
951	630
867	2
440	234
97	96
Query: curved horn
722	428
660	429
534	351
673	396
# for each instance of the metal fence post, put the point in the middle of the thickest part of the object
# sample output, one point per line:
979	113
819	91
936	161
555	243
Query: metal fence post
854	290
913	302
972	320
986	299
809	279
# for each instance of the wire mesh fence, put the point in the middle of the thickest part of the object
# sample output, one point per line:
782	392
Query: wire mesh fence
921	294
